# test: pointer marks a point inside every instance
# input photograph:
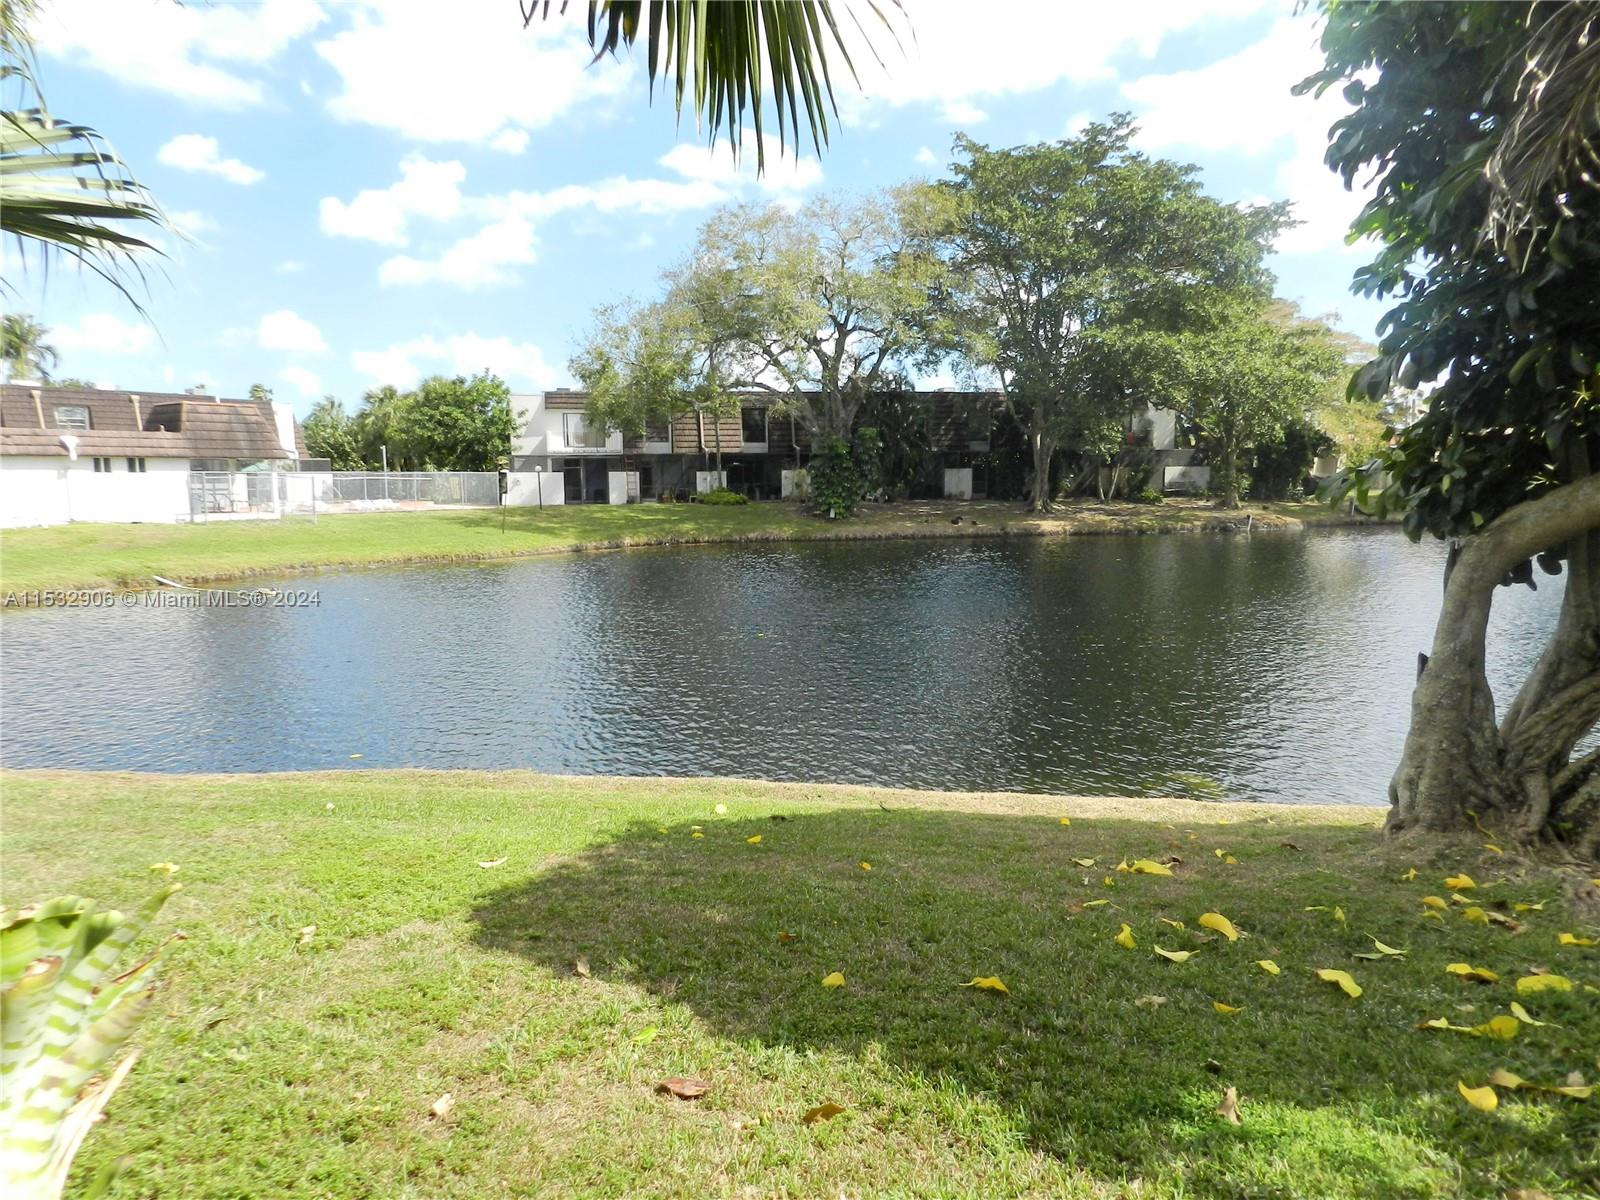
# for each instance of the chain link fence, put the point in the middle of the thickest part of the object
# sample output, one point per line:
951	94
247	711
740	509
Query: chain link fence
222	495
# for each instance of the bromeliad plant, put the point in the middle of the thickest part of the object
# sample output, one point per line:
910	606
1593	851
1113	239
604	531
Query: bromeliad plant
65	1017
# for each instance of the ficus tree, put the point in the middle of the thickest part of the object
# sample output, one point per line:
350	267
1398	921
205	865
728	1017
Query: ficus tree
648	365
1490	254
456	423
1068	259
1242	377
819	307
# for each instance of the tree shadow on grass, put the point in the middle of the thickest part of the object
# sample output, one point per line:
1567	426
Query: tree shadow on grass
1335	1090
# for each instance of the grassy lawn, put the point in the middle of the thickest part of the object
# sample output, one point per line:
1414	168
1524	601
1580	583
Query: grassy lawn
276	1068
86	556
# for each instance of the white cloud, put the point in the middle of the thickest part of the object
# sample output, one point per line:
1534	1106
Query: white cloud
964	112
949	58
302	380
502	75
191	223
426	188
522	364
288	330
510	141
290	266
926	157
1241	104
104	333
197	152
187	50
473	262
715	164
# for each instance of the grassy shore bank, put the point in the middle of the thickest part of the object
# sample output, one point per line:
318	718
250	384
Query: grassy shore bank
363	943
119	556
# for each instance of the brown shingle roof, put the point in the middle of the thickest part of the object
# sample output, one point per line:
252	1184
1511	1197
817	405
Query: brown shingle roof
148	424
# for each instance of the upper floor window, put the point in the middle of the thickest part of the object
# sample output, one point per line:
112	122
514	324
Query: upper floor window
657	431
754	423
580	434
102	466
72	416
136	465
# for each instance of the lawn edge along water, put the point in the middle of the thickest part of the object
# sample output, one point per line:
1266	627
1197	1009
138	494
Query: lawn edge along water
127	557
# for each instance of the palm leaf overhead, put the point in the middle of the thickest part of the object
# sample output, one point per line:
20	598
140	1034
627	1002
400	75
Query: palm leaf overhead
731	57
1552	142
63	189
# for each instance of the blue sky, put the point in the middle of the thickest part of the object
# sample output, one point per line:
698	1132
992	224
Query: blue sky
375	192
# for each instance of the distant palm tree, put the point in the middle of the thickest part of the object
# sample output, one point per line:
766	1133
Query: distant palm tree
63	190
23	348
714	53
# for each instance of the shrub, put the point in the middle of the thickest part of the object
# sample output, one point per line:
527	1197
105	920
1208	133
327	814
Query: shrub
722	496
842	473
1148	495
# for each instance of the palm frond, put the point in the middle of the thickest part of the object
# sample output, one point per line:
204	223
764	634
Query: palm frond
1551	145
729	58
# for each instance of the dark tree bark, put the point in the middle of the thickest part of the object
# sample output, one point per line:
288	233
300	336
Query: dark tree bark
1457	758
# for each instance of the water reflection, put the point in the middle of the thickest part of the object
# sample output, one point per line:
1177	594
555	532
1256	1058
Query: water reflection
1278	665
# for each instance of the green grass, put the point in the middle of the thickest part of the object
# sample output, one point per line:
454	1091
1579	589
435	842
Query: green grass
273	1068
110	556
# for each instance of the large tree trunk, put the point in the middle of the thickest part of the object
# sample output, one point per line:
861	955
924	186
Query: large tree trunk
1042	452
1518	772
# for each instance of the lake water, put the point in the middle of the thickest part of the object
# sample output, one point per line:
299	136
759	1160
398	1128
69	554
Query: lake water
1278	665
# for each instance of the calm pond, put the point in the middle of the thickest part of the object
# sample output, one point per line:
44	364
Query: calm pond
1278	665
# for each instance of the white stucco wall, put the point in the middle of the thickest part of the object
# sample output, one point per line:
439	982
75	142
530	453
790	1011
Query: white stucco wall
53	491
538	430
522	488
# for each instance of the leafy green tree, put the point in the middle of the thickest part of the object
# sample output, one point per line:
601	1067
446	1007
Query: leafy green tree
1283	462
23	348
63	189
1074	263
1494	302
842	473
906	456
819	307
330	433
648	366
71	381
1238	380
376	427
260	392
457	424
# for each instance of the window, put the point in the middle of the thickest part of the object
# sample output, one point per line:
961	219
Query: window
102	466
657	431
580	435
136	465
754	423
72	416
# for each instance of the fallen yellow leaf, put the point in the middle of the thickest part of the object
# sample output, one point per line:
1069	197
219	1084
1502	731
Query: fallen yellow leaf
1095	903
834	979
441	1107
1459	883
697	834
1481	1098
1528	985
1501	1077
864	865
1474	915
1170	921
1177	956
1431	915
822	1112
1522	907
1381	950
988	983
1149	1001
1145	866
1502	1027
1338	914
1230	860
753	839
1124	938
1229	1108
1084	862
1225	1009
1434	902
490	863
1219	923
307	933
1219	852
168	868
1468	971
1409	875
1123	866
1568	939
1066	821
1346	984
1267	965
1522	1015
1492	848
